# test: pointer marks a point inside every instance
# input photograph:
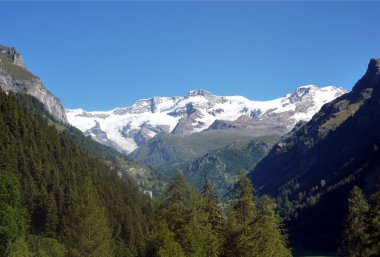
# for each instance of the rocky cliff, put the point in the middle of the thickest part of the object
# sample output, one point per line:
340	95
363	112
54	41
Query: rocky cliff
15	77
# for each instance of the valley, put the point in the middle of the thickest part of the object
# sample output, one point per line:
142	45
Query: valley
198	175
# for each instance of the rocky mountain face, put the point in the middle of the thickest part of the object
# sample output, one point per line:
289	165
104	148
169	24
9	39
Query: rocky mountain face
15	77
313	168
128	128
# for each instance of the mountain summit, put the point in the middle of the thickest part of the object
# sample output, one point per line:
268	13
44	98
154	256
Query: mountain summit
16	78
127	128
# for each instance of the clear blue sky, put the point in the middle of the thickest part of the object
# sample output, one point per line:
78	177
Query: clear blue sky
100	55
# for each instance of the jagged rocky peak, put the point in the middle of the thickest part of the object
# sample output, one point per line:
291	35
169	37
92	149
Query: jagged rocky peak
198	92
370	78
13	55
375	64
204	93
15	77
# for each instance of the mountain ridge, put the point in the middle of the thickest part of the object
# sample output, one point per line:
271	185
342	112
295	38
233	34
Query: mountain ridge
312	169
128	127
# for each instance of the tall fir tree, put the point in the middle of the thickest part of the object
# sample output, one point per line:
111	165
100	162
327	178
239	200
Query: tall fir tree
210	205
374	224
355	236
245	205
254	227
177	203
241	221
271	236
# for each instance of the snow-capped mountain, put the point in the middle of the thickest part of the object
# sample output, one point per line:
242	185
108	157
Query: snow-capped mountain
127	128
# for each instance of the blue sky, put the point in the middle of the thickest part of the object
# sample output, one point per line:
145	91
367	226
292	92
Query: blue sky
100	55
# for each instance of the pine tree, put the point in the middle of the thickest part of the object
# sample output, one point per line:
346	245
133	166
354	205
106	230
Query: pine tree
270	232
177	203
90	235
163	243
245	206
241	221
210	206
12	221
354	236
198	238
211	221
254	227
374	224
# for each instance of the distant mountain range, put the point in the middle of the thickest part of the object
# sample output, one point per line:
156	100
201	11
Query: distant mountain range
128	128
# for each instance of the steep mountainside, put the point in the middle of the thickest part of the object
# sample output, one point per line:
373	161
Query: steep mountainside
15	77
53	169
127	128
317	164
222	166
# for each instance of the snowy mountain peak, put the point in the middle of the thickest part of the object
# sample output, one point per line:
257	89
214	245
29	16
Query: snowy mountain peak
127	128
198	92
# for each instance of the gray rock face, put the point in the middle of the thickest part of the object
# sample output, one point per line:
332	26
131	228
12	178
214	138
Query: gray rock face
16	78
13	55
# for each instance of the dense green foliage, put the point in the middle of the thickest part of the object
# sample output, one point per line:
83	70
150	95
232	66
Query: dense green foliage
374	224
192	224
12	220
254	228
52	170
355	237
361	237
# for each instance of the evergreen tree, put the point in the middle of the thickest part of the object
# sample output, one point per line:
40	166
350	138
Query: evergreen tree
90	235
198	238
271	237
211	221
242	216
354	236
254	227
177	203
20	248
163	243
374	224
210	206
244	208
12	221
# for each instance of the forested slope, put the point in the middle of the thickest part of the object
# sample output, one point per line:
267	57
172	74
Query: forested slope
55	172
